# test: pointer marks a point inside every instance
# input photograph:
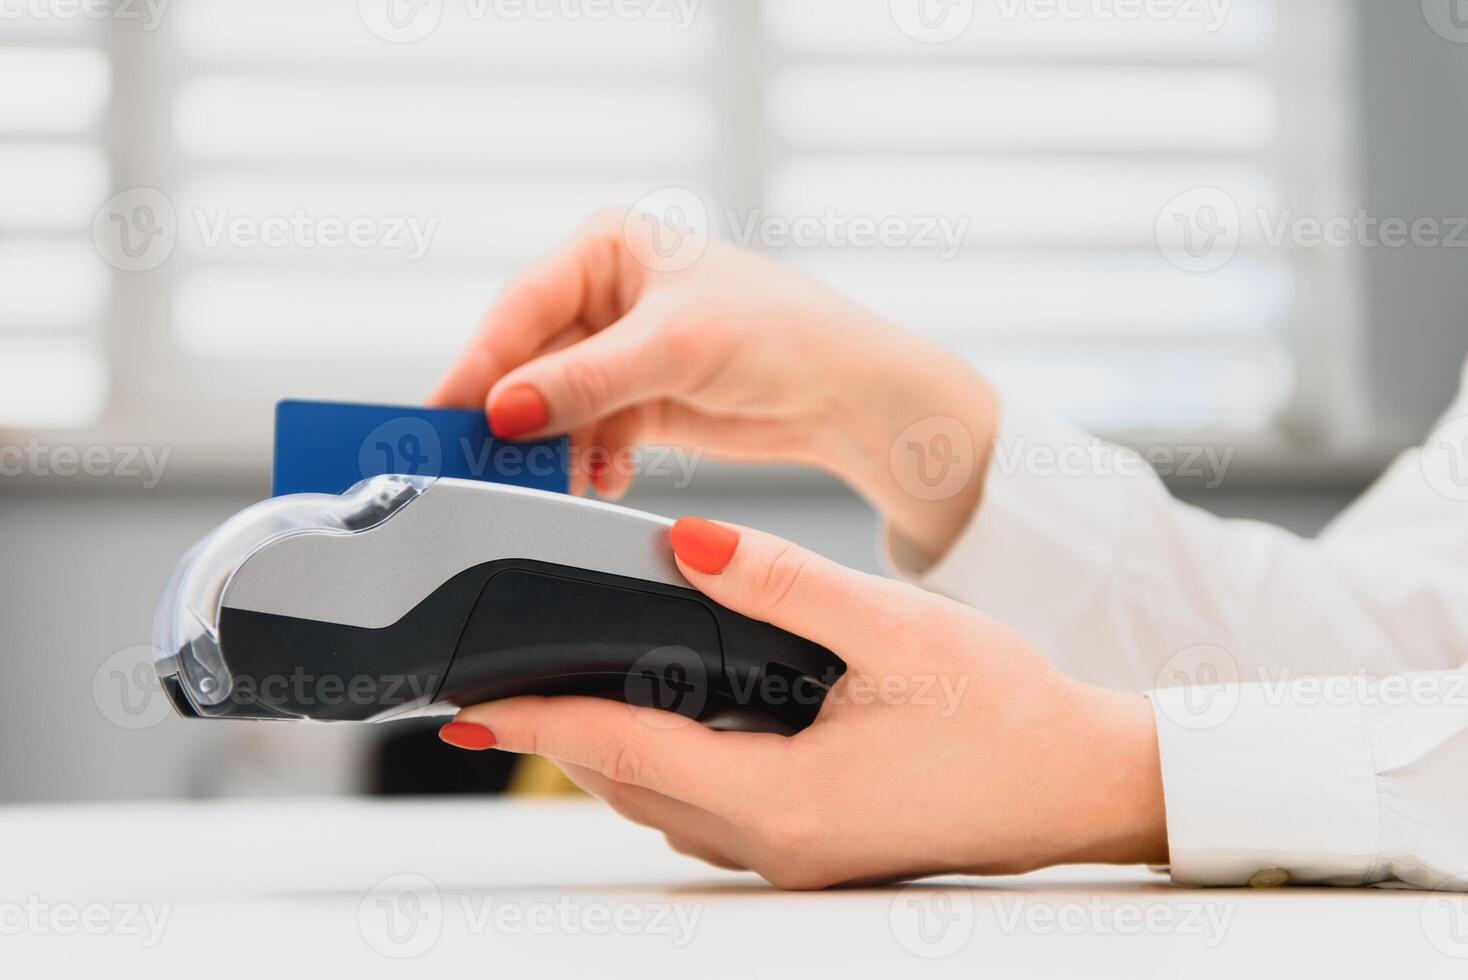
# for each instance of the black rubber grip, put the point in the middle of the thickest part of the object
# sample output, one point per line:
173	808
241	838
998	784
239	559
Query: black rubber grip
512	628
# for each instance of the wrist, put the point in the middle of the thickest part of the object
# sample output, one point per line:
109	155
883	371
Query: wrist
913	428
1123	819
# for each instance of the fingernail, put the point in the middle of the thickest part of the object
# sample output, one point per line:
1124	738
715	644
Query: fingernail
518	411
463	735
703	545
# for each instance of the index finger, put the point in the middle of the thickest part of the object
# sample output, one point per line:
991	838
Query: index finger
575	284
714	771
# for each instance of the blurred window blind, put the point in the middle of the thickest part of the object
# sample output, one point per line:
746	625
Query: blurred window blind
1059	138
349	190
355	181
56	82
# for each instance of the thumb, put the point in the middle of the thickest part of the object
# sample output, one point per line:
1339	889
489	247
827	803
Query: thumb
776	582
576	387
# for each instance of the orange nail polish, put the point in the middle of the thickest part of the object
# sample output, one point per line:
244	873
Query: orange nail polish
463	735
597	463
518	411
703	545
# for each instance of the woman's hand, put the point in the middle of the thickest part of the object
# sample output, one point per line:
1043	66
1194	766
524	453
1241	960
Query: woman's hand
950	745
737	356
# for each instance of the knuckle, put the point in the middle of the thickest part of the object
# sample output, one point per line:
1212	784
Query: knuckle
683	339
526	293
782	576
622	762
695	347
605	246
588	381
687	318
698	326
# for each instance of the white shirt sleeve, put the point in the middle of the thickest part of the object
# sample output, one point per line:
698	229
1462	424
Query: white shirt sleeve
1312	719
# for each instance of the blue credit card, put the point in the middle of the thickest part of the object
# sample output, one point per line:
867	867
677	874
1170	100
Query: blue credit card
327	447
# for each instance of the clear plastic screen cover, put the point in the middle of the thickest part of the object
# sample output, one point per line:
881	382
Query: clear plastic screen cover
186	629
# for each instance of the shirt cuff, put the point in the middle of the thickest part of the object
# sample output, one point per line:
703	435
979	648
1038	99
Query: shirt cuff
1263	787
1053	510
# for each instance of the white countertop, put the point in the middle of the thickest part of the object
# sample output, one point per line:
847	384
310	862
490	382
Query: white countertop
361	889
